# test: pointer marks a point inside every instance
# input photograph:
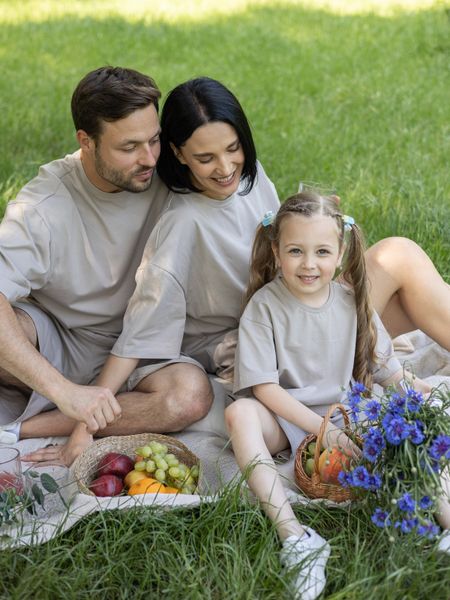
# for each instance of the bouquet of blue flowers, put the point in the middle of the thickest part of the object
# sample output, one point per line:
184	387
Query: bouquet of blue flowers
406	447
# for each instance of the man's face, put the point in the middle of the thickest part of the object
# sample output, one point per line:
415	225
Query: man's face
125	154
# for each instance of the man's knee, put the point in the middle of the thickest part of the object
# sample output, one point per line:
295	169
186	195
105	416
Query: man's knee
185	392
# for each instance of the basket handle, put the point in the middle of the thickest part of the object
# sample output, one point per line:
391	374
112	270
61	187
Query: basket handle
323	427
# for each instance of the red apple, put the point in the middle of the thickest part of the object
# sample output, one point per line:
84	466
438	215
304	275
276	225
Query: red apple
106	485
114	463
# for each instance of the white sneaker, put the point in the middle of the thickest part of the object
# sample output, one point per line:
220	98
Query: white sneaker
307	557
444	542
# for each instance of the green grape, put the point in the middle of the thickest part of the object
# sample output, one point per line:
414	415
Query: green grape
154	446
183	468
138	451
140	465
195	471
161	464
174	472
150	466
172	460
146	451
160	475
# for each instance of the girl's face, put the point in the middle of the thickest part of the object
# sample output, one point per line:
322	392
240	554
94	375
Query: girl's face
215	159
308	254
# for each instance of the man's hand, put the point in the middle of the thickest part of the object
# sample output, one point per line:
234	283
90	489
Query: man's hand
93	405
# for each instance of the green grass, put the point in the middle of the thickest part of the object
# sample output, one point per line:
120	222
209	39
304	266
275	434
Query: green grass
220	551
341	95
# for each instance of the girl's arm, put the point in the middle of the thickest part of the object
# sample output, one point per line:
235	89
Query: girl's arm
115	372
280	402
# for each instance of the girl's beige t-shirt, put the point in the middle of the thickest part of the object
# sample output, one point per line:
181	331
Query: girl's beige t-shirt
307	351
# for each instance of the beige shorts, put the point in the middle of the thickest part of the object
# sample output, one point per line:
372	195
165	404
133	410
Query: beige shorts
77	354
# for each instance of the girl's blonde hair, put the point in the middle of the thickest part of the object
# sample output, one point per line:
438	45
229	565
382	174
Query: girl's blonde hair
263	269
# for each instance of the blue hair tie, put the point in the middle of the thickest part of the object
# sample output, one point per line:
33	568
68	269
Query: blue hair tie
348	222
268	218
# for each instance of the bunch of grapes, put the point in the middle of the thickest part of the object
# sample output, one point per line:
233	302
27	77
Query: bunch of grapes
156	460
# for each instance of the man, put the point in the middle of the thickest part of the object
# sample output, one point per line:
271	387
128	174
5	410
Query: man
69	248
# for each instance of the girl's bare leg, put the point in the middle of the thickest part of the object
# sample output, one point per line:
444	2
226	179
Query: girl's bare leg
407	291
255	436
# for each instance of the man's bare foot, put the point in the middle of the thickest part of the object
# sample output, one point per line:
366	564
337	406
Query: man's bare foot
65	454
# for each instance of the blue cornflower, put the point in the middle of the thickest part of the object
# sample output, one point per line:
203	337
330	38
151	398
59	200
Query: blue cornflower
345	479
428	529
414	400
373	410
381	518
416	433
397	404
406	525
425	502
374	482
361	477
396	428
359	388
406	503
375	437
371	452
440	447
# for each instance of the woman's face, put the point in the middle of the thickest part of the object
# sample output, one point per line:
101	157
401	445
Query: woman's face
215	159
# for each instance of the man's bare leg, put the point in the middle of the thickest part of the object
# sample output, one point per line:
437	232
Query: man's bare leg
165	401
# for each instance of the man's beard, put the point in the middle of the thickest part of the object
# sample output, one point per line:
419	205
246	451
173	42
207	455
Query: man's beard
118	179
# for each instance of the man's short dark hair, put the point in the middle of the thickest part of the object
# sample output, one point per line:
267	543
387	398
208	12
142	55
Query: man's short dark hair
189	106
109	94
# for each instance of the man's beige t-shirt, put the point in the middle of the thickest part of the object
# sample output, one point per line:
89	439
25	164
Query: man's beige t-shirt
73	249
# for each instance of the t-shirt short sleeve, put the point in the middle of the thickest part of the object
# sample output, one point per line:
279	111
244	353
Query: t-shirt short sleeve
256	360
387	363
155	318
25	245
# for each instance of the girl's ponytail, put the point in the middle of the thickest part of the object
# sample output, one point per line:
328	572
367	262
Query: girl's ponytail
355	274
263	266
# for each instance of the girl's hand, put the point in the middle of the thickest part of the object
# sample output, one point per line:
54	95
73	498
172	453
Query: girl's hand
335	437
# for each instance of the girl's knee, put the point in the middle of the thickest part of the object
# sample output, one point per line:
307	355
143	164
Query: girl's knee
237	414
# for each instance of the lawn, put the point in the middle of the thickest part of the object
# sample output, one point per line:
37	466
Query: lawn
350	94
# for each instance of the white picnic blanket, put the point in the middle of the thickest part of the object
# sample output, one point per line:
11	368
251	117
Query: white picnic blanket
208	440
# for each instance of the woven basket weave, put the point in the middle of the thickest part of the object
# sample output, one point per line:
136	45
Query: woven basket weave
84	467
312	486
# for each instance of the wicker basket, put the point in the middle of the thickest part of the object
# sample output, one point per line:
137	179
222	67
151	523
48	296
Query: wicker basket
312	486
85	466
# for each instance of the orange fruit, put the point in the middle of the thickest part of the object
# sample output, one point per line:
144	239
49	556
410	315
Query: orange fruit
147	485
171	490
133	477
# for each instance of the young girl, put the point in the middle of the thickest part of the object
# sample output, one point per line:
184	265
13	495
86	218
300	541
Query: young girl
302	338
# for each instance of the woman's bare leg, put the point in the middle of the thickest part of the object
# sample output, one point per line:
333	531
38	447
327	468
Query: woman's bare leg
255	436
407	290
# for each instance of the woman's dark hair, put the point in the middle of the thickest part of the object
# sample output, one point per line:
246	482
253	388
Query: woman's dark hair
189	106
110	94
